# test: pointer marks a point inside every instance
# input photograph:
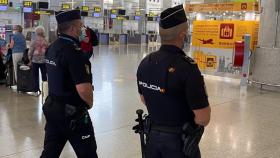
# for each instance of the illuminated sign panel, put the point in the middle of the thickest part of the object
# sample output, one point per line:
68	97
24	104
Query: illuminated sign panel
66	6
113	11
97	9
85	8
137	13
3	2
27	4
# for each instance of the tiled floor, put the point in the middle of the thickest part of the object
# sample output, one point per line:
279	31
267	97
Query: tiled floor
245	122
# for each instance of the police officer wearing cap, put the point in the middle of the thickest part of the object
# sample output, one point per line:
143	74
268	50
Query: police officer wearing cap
70	92
172	88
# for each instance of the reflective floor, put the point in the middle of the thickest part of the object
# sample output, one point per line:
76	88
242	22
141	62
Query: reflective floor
245	122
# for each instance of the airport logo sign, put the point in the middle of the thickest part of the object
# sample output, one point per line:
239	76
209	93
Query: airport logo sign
226	31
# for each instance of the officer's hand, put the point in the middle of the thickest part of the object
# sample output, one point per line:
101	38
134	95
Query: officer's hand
86	93
202	116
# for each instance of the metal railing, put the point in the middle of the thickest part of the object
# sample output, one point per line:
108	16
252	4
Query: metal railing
263	84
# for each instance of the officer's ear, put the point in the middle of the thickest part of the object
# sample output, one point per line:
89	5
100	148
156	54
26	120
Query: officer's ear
182	35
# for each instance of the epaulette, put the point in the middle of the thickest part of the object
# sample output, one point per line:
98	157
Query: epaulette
189	60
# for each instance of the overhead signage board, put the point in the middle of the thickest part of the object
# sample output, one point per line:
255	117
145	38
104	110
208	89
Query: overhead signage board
41	12
113	16
114	11
151	14
3	7
66	6
4	2
120	18
27	3
85	8
137	13
27	9
96	15
97	9
137	17
222	7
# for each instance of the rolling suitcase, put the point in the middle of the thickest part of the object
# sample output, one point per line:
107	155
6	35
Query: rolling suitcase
25	79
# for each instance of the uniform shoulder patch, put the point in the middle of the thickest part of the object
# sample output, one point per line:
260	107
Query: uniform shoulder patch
189	60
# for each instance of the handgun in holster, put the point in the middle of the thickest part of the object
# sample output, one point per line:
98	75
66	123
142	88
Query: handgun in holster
77	115
191	138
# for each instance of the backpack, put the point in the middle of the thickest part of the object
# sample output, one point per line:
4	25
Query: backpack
94	37
8	58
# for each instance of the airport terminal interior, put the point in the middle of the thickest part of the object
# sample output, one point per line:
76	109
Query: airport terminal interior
235	43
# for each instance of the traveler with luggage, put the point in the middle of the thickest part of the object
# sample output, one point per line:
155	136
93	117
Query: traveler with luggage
9	67
36	55
18	45
2	65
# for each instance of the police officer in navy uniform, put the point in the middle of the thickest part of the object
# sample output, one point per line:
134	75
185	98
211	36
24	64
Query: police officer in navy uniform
172	88
70	92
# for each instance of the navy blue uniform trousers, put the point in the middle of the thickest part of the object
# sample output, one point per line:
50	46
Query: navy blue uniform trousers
58	132
165	145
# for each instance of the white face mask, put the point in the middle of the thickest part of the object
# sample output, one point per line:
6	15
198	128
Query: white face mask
14	32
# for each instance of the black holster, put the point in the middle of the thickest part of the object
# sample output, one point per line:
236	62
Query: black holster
76	115
56	111
191	138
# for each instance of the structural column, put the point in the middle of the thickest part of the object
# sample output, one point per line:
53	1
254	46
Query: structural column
142	23
266	61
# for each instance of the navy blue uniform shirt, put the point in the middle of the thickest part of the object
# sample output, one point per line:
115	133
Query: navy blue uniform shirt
67	67
172	86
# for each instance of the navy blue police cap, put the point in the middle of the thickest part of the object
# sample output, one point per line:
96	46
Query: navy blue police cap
172	17
65	16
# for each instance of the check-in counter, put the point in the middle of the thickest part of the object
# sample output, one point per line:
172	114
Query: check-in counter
153	37
123	38
104	38
137	39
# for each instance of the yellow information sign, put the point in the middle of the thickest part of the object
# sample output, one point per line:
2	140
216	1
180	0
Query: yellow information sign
4	2
97	9
85	8
222	7
114	11
42	12
223	34
27	3
66	6
137	13
151	14
120	18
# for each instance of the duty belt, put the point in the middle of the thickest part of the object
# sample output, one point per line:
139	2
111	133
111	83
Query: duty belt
167	129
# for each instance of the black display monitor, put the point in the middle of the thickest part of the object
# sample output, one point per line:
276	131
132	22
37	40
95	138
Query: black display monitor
150	19
84	13
121	12
43	5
